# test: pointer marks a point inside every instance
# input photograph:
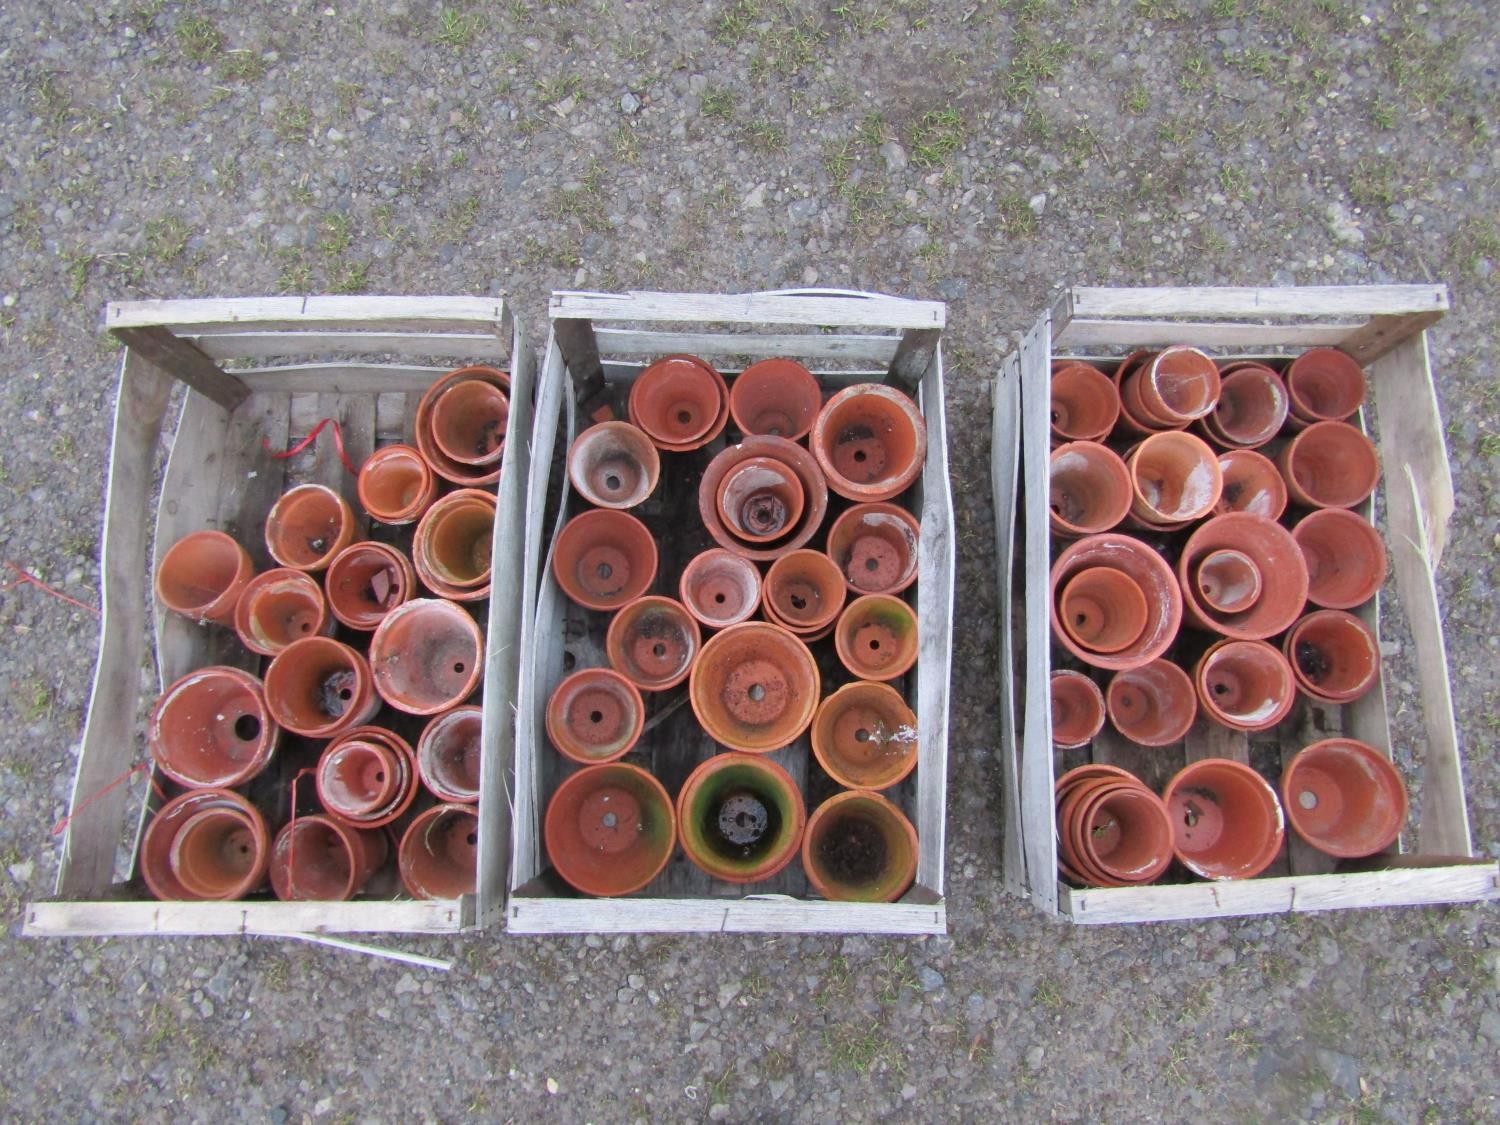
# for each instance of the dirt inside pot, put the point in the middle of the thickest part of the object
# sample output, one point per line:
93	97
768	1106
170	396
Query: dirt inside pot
335	693
853	852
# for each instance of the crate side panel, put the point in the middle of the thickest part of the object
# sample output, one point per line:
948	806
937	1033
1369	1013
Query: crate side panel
750	915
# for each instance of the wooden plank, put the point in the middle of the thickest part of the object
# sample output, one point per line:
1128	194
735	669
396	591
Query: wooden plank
1252	301
1383	333
868	311
748	915
310	313
1412	445
1206	739
580	350
1125	335
913	356
186	363
809	345
1005	444
151	918
259	345
342	378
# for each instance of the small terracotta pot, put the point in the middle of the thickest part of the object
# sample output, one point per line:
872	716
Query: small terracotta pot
603	559
212	729
614	465
720	588
1228	580
865	736
804	591
1135	420
610	829
318	859
876	637
1274	555
1077	710
870	441
1245	685
1175	477
1325	385
1345	557
1090	489
367	777
1118	831
468	422
1085	403
1178	384
859	847
1073	857
1251	484
779	397
458	472
653	642
366	581
308	526
1153	705
427	656
1334	655
319	688
740	818
760	500
439	853
875	546
449	754
453	547
1102	609
206	845
278	607
1251	409
202	576
681	402
1329	465
1226	821
396	485
807	474
595	715
754	687
1148	571
1344	798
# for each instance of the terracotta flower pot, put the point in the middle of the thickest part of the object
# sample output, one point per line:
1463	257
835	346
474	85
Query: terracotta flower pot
458	472
653	642
1077	710
1085	403
1135	420
1329	465
1117	832
1272	552
1178	384
740	818
610	829
1325	385
603	559
468	422
595	715
308	526
720	588
1073	857
319	688
1102	609
1090	489
454	543
1345	557
870	441
1226	821
775	396
212	729
759	500
876	637
1251	409
1334	655
614	465
754	687
367	777
1251	484
316	858
202	576
396	485
1148	570
366	581
804	591
204	844
1344	798
278	607
803	467
449	754
1246	685
1153	705
439	853
875	545
681	402
865	736
427	656
859	847
1228	581
1175	477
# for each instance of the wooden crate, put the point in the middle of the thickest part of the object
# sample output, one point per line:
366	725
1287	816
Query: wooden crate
364	361
1383	327
599	343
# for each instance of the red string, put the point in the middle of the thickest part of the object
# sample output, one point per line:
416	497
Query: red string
338	443
23	577
291	859
62	825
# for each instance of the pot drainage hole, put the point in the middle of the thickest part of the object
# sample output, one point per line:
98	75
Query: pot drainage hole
335	692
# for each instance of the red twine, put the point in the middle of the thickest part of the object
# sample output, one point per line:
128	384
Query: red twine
338	443
25	578
62	825
291	859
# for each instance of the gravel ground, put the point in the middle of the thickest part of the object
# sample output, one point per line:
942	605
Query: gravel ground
977	152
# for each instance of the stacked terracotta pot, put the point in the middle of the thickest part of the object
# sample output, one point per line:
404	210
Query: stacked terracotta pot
1206	560
371	653
742	544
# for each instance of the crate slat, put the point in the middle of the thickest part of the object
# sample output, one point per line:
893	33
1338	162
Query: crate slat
869	311
747	915
1250	301
310	313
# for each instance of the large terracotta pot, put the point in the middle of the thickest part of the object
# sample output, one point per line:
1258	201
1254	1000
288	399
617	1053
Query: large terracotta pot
875	545
1226	821
427	656
653	642
439	852
754	687
212	729
1147	570
367	777
779	397
876	637
772	491
1325	385
1077	710
202	576
317	858
740	818
1335	656
595	715
614	465
396	484
1251	409
1251	484
450	753
1089	489
1344	798
870	441
865	736
458	472
1175	477
453	545
1153	705
803	591
681	403
319	688
1246	685
1272	555
610	829
1329	465
603	559
205	844
278	607
859	847
1085	403
468	422
720	588
1345	558
366	581
308	526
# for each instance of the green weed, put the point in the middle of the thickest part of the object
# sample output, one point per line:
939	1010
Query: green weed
198	39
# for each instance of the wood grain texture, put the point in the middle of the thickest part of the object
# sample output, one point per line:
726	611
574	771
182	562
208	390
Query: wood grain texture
752	308
630	342
472	347
1233	302
750	915
144	919
186	362
1005	444
309	313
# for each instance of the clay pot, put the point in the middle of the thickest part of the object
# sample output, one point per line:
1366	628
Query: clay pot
1113	832
804	591
278	607
1273	554
794	533
681	402
740	818
614	465
720	588
366	581
1177	385
870	441
468	422
1175	478
1251	408
779	397
453	547
754	687
875	546
206	845
1345	557
652	642
1251	484
1135	421
1090	489
1245	685
610	829
1148	570
603	559
1102	609
1334	655
318	859
1226	821
367	777
427	656
1069	790
1085	403
865	736
1329	465
595	715
202	576
1344	798
458	472
396	485
319	688
1153	705
1077	710
308	526
439	853
449	753
1325	385
859	847
876	637
759	500
211	729
1228	581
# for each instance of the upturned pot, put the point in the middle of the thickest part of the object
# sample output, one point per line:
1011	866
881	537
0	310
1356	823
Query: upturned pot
427	656
1147	570
603	559
1335	656
458	472
318	687
778	397
278	607
803	591
1102	610
450	753
740	818
308	526
1244	685
469	420
1251	484
367	777
366	581
720	588
1077	709
595	715
681	402
865	736
754	687
205	845
1344	797
1153	705
759	500
203	575
1113	832
614	465
1228	581
1085	403
1325	385
319	859
870	441
803	467
1175	478
1329	465
396	484
1272	553
1226	820
453	546
1089	489
212	729
1251	409
875	546
859	847
1345	558
439	852
876	637
610	829
1176	385
653	642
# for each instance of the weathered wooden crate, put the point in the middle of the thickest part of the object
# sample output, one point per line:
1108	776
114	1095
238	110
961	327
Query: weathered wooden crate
598	344
1384	328
364	361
